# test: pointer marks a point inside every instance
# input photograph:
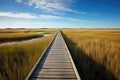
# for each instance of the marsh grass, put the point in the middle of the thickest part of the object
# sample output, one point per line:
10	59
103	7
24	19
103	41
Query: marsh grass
14	31
7	35
16	61
95	52
45	31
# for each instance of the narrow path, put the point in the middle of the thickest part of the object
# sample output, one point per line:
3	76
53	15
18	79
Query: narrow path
56	64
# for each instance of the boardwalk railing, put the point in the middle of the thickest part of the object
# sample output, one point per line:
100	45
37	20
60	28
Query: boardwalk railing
56	63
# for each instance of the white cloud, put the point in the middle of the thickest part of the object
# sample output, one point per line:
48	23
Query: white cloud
18	1
27	15
49	16
17	15
50	5
76	20
40	16
79	12
53	6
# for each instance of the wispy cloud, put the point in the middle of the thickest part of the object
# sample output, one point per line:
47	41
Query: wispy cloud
27	15
40	16
49	4
49	16
76	20
79	12
17	15
18	1
53	6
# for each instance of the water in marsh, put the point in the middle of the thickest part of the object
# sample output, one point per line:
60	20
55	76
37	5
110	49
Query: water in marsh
45	35
30	40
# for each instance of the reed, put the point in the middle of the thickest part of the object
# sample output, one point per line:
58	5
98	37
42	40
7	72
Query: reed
96	52
16	61
14	30
8	35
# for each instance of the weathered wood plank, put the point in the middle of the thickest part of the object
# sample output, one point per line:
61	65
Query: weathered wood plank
59	70
60	76
56	72
57	58
51	79
69	64
62	66
57	61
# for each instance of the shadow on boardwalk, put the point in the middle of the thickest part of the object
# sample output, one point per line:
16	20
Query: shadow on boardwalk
88	68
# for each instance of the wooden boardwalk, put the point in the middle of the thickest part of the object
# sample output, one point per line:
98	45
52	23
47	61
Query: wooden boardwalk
55	64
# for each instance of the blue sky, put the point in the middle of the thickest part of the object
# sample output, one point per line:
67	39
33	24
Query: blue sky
60	13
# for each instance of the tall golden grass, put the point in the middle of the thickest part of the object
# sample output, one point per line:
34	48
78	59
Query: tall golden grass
96	52
16	61
7	35
14	30
46	30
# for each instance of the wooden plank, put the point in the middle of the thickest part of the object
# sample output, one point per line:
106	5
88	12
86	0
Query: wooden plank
60	66
53	70
57	58
55	76
60	58
54	61
55	73
69	64
59	70
58	52
57	66
50	79
57	55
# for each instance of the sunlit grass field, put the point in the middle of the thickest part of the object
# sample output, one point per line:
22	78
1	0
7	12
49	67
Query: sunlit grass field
14	31
96	52
16	61
8	35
